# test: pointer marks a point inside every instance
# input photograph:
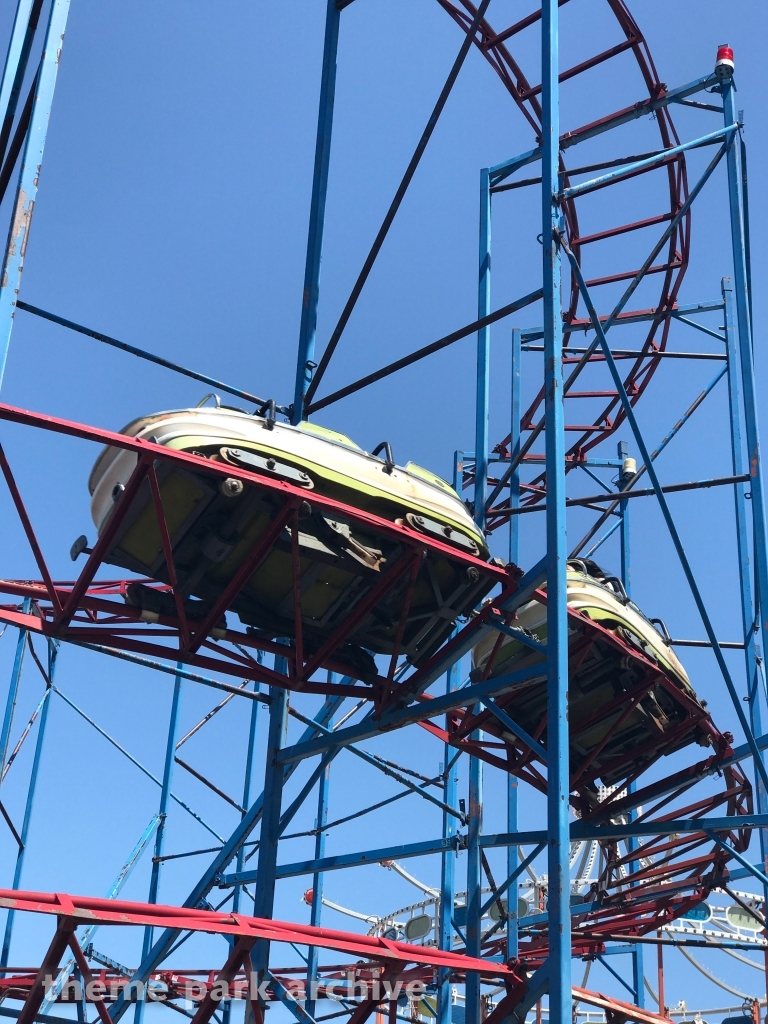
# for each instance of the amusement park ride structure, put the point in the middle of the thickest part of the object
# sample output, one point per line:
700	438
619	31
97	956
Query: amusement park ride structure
662	846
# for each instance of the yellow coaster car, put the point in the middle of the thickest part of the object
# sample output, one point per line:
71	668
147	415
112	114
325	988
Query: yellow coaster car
214	523
629	698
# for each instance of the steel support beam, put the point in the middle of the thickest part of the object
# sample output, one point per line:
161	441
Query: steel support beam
448	864
744	328
482	395
749	613
13	691
162	814
31	162
317	879
64	931
474	880
514	557
305	361
274	777
53	650
559	916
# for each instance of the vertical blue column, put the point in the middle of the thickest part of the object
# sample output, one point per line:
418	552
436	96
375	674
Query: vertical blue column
305	361
626	553
248	779
514	448
474	879
317	878
162	813
744	327
264	899
557	621
13	691
638	967
53	651
512	858
31	162
752	647
15	66
514	556
226	1011
483	352
450	828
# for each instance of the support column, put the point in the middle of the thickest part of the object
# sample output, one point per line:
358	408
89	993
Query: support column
305	362
744	327
317	879
13	690
31	161
627	472
162	812
559	919
514	556
752	646
450	826
53	651
514	447
226	1011
483	352
24	26
266	871
474	879
247	780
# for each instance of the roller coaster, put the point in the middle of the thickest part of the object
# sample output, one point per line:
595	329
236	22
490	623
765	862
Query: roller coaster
639	851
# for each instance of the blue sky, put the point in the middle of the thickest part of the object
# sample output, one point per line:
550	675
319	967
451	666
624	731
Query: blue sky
172	214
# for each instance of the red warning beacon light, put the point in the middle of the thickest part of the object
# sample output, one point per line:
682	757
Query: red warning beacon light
724	62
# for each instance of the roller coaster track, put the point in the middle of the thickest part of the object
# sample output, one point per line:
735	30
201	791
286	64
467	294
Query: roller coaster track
495	47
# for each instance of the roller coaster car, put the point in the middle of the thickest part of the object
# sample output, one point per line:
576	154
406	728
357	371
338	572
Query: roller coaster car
629	698
214	523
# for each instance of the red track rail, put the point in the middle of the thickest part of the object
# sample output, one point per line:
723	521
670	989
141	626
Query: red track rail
384	961
495	47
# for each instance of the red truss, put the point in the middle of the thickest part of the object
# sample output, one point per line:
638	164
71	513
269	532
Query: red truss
87	610
384	961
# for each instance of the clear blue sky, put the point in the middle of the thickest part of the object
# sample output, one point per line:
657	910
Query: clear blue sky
172	214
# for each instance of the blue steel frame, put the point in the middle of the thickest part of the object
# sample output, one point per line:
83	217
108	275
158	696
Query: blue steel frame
555	976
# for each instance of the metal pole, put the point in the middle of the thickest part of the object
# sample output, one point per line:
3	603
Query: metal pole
305	362
274	774
24	25
474	880
246	802
514	447
638	969
31	161
247	781
162	813
626	560
558	906
512	859
450	828
514	556
53	651
483	352
752	649
13	691
317	878
741	295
